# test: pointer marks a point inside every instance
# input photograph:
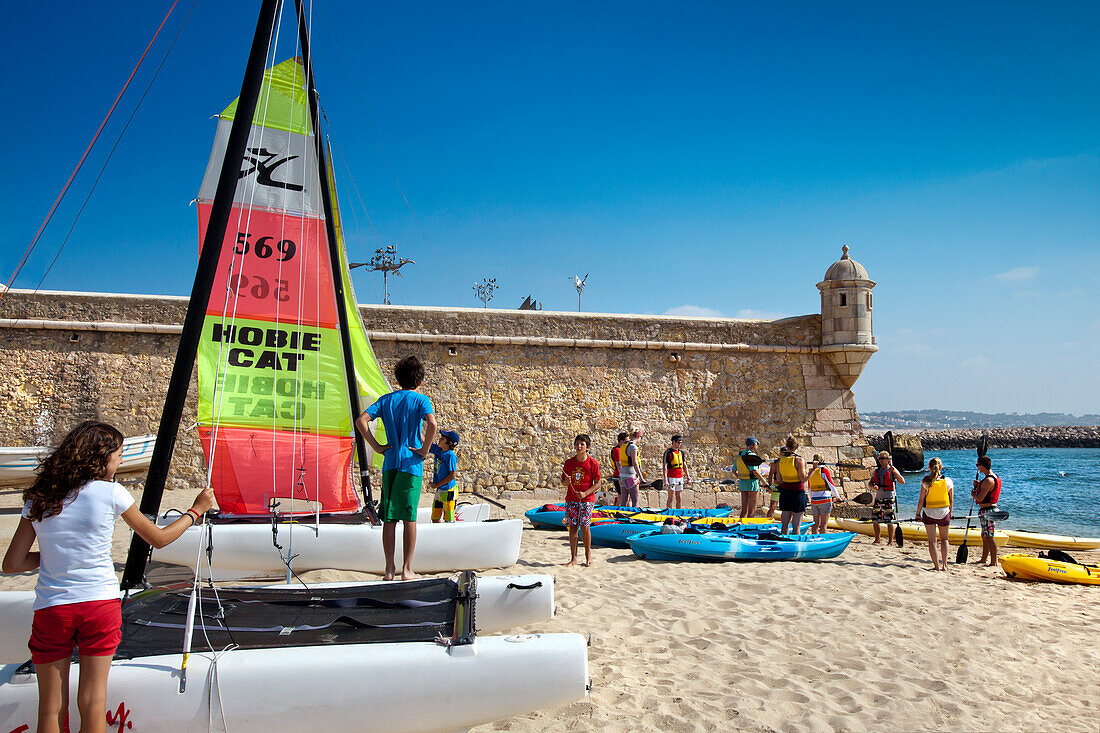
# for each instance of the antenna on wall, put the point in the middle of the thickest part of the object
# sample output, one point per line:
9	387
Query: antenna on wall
385	261
484	290
578	283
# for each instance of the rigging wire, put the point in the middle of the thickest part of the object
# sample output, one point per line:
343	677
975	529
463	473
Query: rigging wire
65	188
115	147
397	183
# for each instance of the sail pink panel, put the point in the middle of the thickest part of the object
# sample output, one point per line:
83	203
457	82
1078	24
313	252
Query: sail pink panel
306	468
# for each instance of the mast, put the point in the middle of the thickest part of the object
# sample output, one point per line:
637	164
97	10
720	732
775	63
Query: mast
334	266
138	557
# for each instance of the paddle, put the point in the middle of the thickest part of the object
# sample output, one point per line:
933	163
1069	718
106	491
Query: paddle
866	498
960	557
491	501
899	536
998	516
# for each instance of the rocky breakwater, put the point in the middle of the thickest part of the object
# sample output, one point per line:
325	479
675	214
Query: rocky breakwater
1060	436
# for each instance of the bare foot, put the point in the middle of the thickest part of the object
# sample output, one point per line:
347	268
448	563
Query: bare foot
570	563
408	575
586	564
876	542
389	575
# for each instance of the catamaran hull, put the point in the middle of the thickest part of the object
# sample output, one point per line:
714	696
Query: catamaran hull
503	602
413	687
440	548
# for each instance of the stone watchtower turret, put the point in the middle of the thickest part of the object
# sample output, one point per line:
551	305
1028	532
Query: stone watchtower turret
847	339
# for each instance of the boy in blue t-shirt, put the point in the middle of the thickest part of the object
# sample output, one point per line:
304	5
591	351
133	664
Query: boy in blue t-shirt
401	413
443	477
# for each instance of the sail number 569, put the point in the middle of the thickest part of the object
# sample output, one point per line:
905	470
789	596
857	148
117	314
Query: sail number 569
263	248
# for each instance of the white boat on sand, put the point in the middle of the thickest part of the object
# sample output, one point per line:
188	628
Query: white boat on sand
18	463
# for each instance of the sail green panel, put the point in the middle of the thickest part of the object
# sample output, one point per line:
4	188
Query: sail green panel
283	103
252	375
368	375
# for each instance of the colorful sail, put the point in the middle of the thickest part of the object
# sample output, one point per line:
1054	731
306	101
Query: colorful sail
274	412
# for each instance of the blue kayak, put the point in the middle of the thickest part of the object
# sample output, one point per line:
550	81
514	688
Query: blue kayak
552	516
615	534
720	546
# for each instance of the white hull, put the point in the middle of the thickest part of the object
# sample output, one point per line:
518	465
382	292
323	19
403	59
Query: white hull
503	602
18	464
409	687
440	548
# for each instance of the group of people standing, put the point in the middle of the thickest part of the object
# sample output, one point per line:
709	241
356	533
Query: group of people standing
794	486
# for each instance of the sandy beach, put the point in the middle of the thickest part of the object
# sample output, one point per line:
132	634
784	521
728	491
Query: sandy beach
871	641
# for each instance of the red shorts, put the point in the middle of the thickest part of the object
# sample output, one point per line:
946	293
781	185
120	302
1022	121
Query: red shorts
93	627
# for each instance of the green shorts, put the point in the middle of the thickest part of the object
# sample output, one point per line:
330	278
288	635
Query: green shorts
400	496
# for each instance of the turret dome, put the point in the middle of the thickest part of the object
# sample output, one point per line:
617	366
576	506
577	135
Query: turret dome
846	269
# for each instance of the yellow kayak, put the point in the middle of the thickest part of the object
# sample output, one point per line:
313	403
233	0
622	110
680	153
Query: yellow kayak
1027	567
732	520
1051	541
914	532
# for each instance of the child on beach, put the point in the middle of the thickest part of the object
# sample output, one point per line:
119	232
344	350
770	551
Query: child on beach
443	476
630	472
71	510
748	477
822	492
401	412
937	497
884	483
616	482
987	492
792	476
676	472
580	475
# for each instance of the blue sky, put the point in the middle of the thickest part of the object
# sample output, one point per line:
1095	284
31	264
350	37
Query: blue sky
694	158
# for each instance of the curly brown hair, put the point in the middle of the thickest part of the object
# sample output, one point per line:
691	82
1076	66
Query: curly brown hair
82	457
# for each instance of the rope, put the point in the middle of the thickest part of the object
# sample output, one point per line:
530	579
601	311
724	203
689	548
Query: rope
65	188
114	147
397	183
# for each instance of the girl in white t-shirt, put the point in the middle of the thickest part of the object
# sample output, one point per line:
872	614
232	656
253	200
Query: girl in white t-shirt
71	510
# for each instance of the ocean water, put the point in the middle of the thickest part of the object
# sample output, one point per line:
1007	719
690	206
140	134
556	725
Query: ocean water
1052	490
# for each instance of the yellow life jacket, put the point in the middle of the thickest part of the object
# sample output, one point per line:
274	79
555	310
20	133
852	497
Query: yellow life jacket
937	495
817	480
744	470
620	452
675	459
788	471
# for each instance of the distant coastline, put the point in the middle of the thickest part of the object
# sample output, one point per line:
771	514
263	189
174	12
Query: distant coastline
910	421
1050	436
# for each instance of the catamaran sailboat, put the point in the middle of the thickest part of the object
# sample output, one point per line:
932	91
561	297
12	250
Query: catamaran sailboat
283	369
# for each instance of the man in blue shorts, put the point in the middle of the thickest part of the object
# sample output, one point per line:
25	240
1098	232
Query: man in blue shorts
401	412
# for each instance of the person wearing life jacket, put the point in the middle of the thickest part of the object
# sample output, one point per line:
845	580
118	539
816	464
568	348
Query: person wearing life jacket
747	468
630	472
884	481
616	482
987	492
676	471
822	493
937	497
791	472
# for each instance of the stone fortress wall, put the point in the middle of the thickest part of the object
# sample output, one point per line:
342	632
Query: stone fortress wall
517	385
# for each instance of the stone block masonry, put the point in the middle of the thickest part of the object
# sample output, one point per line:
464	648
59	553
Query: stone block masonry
517	385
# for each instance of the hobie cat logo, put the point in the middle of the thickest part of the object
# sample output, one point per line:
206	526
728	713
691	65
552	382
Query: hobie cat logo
262	162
